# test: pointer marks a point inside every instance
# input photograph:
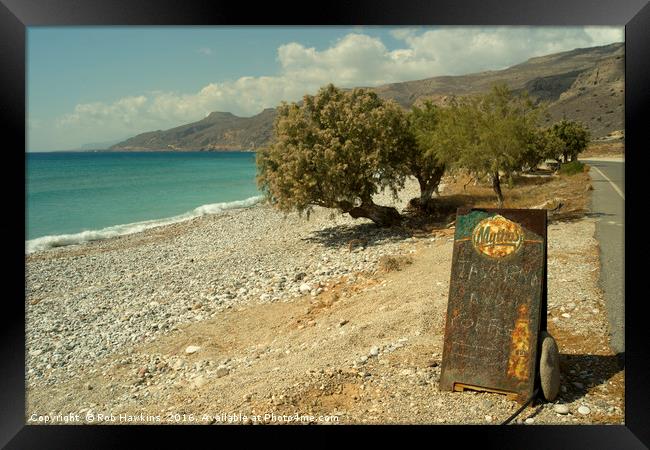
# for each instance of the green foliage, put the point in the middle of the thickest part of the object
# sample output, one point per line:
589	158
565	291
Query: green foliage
542	144
574	136
421	155
572	168
336	150
491	133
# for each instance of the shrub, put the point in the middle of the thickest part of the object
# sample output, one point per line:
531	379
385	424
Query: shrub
572	168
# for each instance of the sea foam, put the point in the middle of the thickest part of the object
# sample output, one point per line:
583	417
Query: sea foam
60	240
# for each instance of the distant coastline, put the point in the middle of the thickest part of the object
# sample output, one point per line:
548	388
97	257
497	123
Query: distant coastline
147	150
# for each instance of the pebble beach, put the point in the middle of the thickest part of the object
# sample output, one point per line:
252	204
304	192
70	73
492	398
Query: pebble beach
86	301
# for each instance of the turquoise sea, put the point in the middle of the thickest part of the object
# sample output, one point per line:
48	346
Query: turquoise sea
74	197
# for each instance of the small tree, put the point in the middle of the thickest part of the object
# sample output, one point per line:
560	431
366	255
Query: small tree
422	158
336	150
575	137
489	134
542	144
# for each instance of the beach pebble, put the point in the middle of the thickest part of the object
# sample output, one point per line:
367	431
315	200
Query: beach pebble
584	410
530	420
192	349
222	371
178	364
374	350
561	409
304	288
199	381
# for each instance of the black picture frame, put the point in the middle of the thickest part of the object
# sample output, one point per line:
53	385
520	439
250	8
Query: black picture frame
16	15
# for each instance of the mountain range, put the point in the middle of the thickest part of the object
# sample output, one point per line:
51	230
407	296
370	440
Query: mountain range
585	84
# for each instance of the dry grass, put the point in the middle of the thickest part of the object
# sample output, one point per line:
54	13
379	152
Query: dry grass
394	263
571	192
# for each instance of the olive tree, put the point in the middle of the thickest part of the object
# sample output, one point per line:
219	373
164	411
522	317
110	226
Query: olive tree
575	137
335	150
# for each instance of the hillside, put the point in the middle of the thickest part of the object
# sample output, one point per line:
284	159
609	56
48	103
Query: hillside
582	84
218	131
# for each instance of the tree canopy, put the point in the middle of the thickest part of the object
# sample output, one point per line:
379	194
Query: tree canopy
574	136
336	150
488	134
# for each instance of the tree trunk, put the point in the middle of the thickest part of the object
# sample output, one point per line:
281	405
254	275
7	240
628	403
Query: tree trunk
429	185
384	216
496	185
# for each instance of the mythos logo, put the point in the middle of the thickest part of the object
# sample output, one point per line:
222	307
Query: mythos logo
497	237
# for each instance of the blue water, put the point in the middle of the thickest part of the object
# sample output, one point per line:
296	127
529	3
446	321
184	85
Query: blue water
75	197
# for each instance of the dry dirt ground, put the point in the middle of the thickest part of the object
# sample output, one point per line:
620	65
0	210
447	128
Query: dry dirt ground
367	350
609	149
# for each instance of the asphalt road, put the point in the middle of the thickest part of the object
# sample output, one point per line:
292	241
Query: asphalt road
608	208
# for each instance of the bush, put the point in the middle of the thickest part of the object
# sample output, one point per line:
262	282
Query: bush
572	168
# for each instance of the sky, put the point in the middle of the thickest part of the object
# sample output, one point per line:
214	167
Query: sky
101	84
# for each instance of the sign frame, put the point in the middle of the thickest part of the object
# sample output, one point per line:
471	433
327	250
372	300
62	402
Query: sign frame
497	302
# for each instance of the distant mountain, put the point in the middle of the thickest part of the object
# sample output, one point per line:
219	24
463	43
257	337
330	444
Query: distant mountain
98	145
584	84
218	131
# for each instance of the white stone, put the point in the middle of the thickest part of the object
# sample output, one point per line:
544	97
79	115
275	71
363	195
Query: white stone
561	409
192	349
304	288
199	381
178	364
584	410
374	350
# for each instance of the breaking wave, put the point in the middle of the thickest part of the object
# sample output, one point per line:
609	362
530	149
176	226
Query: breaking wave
60	240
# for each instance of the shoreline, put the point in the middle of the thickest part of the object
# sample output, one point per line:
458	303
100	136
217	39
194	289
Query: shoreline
48	242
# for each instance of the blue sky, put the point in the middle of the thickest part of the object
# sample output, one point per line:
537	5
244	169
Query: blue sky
97	84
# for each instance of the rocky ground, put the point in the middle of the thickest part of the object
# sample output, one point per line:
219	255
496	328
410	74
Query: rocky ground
253	317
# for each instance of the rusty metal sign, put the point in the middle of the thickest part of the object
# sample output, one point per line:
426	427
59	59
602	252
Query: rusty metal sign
497	301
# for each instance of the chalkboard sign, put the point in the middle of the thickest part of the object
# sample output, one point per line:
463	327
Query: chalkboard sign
496	298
